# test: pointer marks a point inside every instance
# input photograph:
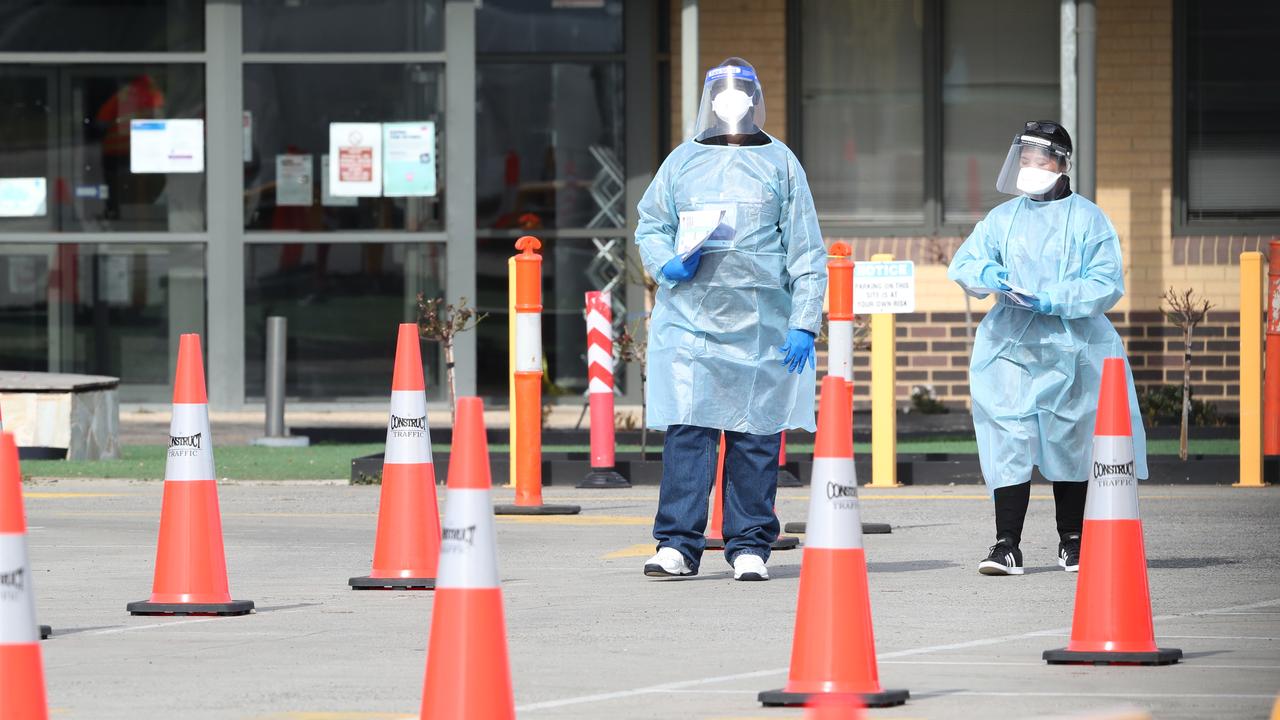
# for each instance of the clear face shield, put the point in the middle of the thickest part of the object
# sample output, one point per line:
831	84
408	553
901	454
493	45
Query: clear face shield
732	102
1033	166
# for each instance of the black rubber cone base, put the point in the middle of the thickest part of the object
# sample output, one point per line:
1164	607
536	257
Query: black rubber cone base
798	528
782	698
536	509
788	479
782	543
46	632
1162	656
235	607
373	583
604	478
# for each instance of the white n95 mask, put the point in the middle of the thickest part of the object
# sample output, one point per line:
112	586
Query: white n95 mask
1037	181
731	105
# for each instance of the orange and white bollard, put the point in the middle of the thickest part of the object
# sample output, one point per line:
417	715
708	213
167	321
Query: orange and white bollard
604	473
526	464
22	694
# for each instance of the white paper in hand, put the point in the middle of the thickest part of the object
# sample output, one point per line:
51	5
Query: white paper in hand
695	227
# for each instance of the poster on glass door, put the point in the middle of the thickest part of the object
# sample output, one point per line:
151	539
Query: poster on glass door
166	146
355	159
409	159
294	181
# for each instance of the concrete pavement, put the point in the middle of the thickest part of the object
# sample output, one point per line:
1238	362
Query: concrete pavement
591	638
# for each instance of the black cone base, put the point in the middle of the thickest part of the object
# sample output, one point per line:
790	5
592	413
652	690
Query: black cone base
884	698
235	607
1162	656
373	583
782	543
46	632
788	479
797	528
604	478
536	509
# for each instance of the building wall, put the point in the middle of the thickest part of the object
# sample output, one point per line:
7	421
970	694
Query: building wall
1135	179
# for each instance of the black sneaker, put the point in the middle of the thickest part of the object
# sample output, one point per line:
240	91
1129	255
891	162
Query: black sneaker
1004	559
1069	553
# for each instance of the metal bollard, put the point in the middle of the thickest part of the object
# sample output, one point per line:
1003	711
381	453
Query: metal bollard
274	385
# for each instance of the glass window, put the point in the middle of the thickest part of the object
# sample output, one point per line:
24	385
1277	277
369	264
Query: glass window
549	145
862	110
101	309
71	126
990	88
343	302
94	26
1232	100
558	26
289	110
570	268
343	25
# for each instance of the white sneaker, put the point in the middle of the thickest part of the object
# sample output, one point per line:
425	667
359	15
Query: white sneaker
668	562
749	567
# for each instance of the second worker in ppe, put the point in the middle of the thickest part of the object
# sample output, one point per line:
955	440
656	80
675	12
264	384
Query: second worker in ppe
732	331
1036	371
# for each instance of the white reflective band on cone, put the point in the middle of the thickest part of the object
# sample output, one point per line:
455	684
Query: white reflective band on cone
190	455
840	349
528	342
834	516
1113	487
408	436
468	553
17	607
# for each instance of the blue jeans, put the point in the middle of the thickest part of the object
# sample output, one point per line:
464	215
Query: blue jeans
689	476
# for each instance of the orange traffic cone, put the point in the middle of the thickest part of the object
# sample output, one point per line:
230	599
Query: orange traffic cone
191	566
834	649
45	630
468	674
1112	623
21	669
715	526
407	546
834	707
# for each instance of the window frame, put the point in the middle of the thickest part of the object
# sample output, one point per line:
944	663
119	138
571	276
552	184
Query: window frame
933	224
1183	225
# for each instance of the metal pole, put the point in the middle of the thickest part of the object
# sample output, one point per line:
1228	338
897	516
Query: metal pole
1086	145
277	435
884	418
1067	69
689	66
1251	328
277	333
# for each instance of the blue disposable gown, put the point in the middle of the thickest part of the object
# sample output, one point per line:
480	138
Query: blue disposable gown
713	358
1035	378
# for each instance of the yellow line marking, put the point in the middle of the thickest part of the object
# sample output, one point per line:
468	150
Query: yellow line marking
576	519
633	551
337	716
41	495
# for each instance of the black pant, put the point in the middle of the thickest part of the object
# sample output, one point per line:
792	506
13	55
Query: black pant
1012	502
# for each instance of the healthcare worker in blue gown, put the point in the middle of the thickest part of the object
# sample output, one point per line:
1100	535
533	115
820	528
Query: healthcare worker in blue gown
732	330
1036	369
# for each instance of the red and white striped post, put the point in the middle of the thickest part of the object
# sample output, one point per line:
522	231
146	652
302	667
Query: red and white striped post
526	463
603	472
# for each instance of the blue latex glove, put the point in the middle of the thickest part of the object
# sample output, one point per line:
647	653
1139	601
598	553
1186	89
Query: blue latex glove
1042	306
677	270
798	350
994	277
